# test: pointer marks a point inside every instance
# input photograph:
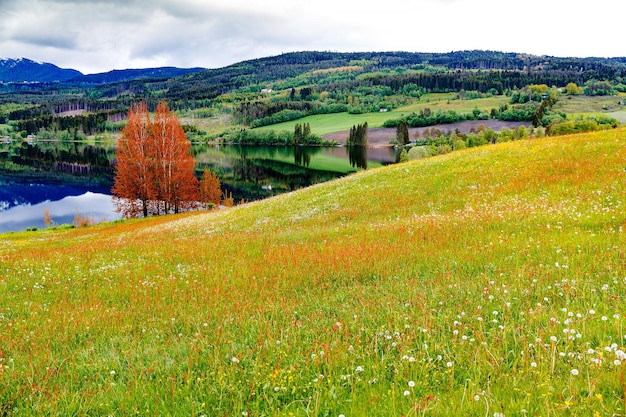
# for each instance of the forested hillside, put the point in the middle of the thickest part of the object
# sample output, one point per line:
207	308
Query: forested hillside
290	86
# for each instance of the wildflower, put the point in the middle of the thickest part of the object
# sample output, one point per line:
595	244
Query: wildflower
112	372
234	360
359	369
604	318
476	397
533	364
407	393
411	384
574	372
553	338
617	362
449	364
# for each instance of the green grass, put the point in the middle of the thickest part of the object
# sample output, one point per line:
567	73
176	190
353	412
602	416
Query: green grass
322	124
589	105
448	101
330	123
489	280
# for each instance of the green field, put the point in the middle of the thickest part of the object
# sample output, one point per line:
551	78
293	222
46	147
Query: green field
488	281
331	123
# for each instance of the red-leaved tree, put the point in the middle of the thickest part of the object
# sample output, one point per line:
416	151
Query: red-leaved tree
155	169
210	190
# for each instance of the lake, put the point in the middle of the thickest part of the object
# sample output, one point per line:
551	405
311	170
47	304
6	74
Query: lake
75	178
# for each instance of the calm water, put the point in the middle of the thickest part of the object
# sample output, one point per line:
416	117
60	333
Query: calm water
70	178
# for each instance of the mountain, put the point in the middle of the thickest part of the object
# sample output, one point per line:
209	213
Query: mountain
26	70
29	71
133	74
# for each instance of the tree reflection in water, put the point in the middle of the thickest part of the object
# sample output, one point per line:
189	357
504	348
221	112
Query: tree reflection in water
357	156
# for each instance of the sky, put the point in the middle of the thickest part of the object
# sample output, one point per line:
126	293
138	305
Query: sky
101	35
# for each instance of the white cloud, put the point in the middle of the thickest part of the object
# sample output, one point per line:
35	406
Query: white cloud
100	35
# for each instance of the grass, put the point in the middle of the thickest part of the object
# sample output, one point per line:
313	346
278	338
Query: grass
481	282
330	123
590	105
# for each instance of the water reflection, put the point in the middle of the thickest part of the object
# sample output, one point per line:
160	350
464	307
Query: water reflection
302	156
51	171
357	156
94	206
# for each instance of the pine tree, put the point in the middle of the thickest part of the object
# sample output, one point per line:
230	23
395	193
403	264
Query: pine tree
298	135
357	136
402	133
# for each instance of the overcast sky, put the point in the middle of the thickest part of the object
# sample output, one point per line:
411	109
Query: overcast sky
100	35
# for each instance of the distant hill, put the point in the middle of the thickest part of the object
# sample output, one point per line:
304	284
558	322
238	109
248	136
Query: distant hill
133	74
26	70
23	70
212	82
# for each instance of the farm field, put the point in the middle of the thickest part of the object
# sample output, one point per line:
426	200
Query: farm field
488	281
323	124
592	105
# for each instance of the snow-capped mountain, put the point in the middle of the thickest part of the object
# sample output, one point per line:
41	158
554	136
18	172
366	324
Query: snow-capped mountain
26	70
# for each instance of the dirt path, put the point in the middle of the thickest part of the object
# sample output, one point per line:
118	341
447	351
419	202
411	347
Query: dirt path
381	136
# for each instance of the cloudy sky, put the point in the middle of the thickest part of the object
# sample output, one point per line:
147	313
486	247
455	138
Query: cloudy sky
101	35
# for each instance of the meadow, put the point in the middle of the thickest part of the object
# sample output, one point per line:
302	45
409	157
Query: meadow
593	106
322	124
488	281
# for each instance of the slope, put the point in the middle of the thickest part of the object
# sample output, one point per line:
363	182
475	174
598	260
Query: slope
26	70
484	281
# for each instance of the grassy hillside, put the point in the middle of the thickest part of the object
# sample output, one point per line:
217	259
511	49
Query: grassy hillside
489	281
323	124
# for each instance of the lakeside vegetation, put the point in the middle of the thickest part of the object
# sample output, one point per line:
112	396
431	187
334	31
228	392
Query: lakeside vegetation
268	92
479	282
